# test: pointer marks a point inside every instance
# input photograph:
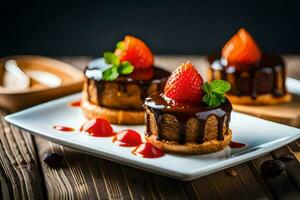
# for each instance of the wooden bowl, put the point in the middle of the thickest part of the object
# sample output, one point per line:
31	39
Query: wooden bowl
71	82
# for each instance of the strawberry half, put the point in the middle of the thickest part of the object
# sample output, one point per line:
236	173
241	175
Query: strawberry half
135	51
184	84
241	49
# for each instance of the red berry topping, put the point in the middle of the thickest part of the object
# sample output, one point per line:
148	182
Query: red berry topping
148	150
184	84
128	138
135	51
241	49
98	128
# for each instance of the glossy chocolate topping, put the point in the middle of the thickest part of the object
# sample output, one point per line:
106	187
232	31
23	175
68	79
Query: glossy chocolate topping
183	111
144	79
96	67
264	77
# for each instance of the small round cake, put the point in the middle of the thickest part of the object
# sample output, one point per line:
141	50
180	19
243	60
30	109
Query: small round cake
255	78
120	99
189	121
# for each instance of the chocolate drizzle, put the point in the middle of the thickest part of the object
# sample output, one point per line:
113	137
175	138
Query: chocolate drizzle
264	77
158	118
182	111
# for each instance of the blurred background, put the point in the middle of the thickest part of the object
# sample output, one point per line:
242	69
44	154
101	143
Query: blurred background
61	28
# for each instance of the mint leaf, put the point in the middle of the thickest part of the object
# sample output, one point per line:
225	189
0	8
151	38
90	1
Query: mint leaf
220	86
215	93
111	58
125	68
206	87
110	74
120	45
213	101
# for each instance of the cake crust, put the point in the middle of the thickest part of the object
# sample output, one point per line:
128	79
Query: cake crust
115	116
191	147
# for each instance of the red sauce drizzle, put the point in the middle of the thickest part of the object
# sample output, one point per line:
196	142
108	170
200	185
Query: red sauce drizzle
127	138
148	150
75	103
98	128
64	128
233	144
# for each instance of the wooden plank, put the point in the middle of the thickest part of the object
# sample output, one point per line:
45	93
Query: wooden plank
5	186
19	172
140	184
295	148
287	113
169	188
72	180
281	186
293	63
221	186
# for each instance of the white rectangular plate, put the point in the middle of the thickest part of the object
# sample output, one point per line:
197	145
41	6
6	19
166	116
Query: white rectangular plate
261	136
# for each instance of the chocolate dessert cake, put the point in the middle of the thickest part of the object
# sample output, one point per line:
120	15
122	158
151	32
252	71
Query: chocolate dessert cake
188	125
120	100
255	78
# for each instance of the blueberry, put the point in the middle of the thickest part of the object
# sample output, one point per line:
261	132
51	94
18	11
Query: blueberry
53	159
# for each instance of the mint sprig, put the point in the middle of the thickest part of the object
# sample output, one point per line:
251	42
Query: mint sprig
117	67
215	92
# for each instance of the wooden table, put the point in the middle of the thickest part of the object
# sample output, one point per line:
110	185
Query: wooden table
24	175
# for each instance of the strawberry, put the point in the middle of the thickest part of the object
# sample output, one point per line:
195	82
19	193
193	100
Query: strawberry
135	51
184	84
241	49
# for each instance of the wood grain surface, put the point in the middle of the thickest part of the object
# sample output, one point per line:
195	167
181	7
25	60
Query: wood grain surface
24	175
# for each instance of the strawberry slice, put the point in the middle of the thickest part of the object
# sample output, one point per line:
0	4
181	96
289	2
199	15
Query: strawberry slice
135	51
184	84
241	49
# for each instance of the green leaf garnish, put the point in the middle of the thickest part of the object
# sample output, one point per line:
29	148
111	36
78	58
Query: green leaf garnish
111	58
120	45
125	68
110	74
220	86
215	92
116	68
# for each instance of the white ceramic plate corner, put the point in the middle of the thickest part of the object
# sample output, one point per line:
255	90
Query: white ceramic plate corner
261	137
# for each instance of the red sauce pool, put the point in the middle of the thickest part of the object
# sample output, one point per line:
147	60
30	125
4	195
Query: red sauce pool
98	128
148	150
234	145
64	128
75	103
127	138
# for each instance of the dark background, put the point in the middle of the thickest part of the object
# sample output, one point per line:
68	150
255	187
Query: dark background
60	28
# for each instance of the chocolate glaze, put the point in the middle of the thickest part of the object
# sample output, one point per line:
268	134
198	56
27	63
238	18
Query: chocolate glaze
183	111
264	77
158	76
